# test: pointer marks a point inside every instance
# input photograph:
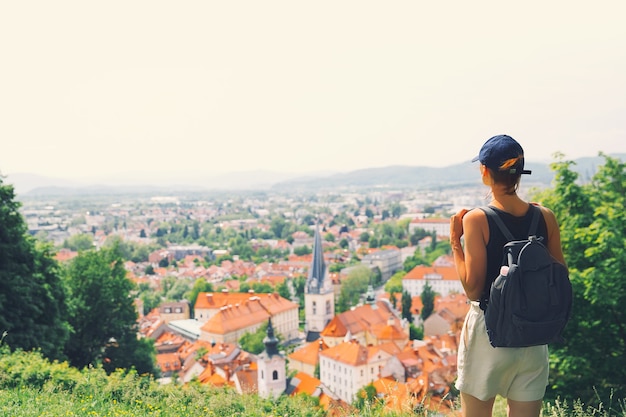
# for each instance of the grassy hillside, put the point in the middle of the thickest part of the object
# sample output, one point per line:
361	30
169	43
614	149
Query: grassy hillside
30	386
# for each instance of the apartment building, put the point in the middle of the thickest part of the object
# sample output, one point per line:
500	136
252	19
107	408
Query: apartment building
349	366
389	261
226	317
440	226
442	279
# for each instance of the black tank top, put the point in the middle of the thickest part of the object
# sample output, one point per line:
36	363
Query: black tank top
519	228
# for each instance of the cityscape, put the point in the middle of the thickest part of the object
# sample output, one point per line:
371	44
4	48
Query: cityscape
284	282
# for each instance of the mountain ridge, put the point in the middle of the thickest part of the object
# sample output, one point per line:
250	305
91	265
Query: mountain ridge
404	176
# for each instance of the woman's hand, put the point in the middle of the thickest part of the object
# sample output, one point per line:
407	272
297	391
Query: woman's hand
456	227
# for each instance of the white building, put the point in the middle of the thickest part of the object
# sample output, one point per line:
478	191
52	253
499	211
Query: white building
441	226
350	366
389	261
226	317
272	370
443	280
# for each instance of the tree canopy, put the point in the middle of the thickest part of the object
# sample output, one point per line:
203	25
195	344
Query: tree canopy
253	342
354	287
32	296
428	302
103	315
592	362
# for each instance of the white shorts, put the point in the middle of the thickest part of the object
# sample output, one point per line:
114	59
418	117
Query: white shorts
520	374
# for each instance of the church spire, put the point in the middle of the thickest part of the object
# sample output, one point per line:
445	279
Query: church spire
317	272
270	341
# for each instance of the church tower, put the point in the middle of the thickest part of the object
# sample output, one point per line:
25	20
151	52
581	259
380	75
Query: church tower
272	367
319	296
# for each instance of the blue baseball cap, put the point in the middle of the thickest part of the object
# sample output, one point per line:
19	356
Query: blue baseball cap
499	149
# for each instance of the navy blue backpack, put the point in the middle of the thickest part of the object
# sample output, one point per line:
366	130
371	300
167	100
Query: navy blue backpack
531	303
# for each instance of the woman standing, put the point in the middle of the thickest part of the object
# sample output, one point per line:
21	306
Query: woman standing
518	374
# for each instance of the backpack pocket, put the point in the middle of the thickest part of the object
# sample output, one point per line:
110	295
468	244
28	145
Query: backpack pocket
532	333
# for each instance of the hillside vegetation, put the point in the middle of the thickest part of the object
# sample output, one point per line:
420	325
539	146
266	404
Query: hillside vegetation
30	386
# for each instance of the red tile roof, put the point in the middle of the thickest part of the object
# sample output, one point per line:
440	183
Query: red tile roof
351	353
64	255
358	320
236	317
309	353
216	300
168	362
389	331
431	220
456	304
447	273
307	385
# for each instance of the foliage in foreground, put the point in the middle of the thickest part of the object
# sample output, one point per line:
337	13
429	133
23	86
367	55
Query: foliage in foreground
591	365
32	298
30	385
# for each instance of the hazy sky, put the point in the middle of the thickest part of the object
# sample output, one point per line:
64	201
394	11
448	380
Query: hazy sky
95	89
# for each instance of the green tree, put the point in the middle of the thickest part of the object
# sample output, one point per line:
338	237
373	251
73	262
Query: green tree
436	250
200	285
150	299
262	287
394	284
592	362
283	290
428	301
141	253
32	297
79	242
278	226
123	247
253	342
308	219
177	291
102	313
302	250
416	333
298	285
397	209
407	302
353	287
130	353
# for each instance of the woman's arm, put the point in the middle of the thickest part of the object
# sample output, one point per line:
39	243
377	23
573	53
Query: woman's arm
471	261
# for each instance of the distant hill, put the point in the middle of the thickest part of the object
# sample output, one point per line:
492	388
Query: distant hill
428	177
407	177
391	176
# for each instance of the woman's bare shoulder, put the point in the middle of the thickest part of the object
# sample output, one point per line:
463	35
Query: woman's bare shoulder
549	214
475	216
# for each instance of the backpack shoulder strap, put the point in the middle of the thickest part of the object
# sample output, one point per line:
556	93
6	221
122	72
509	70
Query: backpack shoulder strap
535	220
491	213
